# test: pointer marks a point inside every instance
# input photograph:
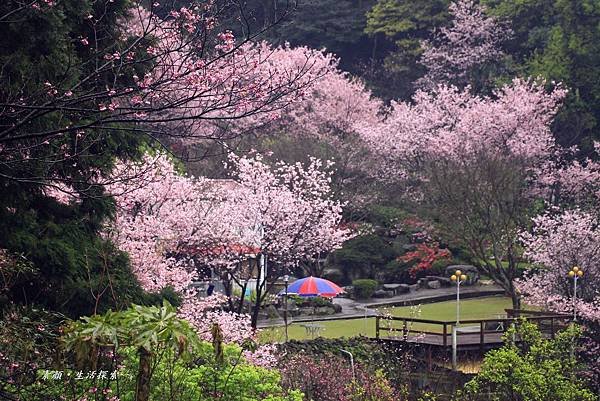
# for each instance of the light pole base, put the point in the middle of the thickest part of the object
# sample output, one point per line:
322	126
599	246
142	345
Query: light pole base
454	346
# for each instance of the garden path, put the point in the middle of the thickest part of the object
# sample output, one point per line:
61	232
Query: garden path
355	309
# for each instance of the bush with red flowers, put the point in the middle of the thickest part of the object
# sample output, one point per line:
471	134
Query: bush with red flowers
424	256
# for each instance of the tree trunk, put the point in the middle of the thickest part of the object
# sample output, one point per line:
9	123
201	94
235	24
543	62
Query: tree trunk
217	340
228	292
242	298
257	301
516	301
512	273
504	278
142	388
515	297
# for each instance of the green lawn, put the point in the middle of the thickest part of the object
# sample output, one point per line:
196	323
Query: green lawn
479	308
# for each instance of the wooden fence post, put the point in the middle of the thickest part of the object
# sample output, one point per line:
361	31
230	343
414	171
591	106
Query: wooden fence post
481	335
445	334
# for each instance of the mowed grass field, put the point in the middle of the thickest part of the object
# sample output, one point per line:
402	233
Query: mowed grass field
475	308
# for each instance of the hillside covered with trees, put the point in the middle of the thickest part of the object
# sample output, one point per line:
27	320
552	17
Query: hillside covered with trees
148	147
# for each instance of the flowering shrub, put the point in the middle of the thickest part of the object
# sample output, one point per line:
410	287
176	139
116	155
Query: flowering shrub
424	256
330	378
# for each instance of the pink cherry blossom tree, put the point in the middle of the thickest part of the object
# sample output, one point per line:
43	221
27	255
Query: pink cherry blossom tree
573	180
471	41
151	71
556	243
566	237
563	237
333	111
472	160
292	213
286	212
330	111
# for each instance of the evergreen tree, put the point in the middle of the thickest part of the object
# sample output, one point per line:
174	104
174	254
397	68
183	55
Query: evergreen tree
403	24
560	41
75	271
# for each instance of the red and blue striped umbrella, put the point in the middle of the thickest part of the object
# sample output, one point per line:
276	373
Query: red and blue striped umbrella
314	286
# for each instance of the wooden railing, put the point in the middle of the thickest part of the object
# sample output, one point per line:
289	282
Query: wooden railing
532	313
441	332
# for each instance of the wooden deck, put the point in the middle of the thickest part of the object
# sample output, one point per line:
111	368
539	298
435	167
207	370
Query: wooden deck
483	334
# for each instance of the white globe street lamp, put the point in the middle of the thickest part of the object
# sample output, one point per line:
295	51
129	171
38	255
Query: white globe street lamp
576	273
458	277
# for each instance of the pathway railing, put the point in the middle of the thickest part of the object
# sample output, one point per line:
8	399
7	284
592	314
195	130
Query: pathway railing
488	331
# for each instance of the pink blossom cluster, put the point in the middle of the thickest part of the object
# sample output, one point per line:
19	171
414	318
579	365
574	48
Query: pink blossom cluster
298	108
246	84
265	355
289	210
202	84
334	107
160	214
472	39
556	244
455	125
167	222
36	5
572	179
202	313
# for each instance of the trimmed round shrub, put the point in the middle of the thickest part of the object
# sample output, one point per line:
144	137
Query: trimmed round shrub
364	288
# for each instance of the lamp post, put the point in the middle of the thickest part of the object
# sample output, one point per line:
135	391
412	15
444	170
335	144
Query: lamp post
575	273
286	278
351	362
458	277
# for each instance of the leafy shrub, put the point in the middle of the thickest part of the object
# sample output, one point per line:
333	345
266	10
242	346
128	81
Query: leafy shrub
29	340
364	288
153	355
534	369
204	378
385	216
310	301
363	255
438	268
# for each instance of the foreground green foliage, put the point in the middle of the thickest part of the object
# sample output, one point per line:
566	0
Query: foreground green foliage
535	369
364	288
143	353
